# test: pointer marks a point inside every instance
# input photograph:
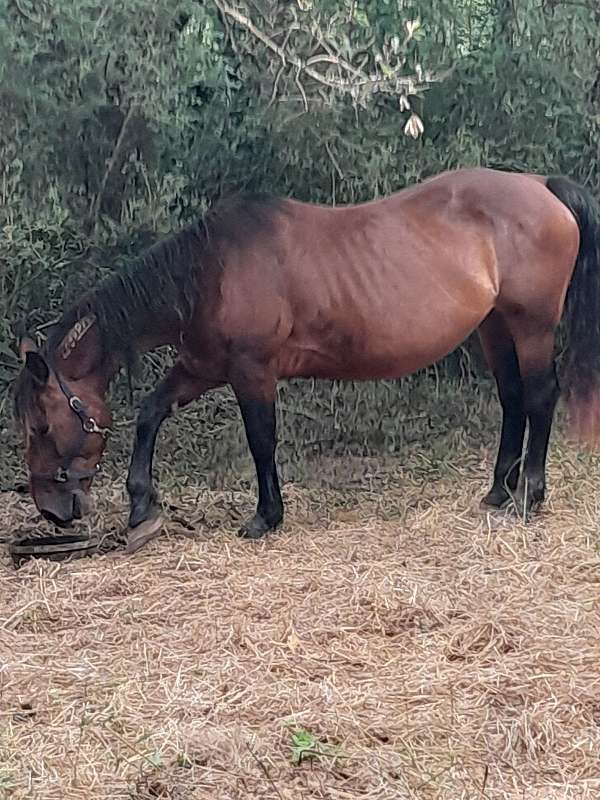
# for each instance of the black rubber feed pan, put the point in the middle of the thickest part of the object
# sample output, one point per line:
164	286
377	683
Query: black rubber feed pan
54	548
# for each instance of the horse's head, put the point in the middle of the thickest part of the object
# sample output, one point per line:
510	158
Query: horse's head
65	425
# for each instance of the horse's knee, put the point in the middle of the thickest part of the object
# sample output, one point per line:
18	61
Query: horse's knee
541	391
153	411
510	393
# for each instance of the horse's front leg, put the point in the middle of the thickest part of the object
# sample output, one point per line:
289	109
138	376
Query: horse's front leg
178	388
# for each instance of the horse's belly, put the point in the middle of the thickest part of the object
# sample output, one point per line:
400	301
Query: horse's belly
375	350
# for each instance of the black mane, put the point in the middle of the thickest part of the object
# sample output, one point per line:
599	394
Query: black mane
163	284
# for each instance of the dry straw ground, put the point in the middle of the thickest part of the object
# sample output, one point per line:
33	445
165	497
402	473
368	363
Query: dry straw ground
392	641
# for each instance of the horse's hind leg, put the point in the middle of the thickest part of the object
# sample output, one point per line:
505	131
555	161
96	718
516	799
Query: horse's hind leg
500	353
534	343
255	390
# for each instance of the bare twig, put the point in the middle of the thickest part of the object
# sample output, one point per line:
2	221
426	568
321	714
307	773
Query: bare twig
264	770
110	165
281	68
100	20
26	15
302	92
334	161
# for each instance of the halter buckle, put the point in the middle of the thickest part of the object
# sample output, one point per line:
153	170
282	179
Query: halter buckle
91	426
61	475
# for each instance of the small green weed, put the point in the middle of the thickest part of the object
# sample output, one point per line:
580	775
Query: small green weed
306	745
6	783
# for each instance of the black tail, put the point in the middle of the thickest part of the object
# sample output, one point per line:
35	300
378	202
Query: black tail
582	310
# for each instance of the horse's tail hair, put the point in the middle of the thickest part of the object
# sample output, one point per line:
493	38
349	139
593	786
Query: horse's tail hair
581	377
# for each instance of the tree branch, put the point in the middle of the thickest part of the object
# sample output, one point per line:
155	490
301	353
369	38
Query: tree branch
352	80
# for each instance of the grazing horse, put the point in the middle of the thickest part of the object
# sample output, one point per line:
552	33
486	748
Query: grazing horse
263	289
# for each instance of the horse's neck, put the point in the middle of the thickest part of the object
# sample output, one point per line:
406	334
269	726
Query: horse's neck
79	354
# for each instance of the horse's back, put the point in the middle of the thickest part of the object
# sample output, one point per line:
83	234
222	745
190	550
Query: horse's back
370	290
382	288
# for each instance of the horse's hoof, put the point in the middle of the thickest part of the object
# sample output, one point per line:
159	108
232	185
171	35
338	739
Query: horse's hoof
143	533
528	500
496	498
257	527
526	510
141	514
143	505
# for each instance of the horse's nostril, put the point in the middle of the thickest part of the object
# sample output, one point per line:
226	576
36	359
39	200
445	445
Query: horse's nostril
62	523
77	510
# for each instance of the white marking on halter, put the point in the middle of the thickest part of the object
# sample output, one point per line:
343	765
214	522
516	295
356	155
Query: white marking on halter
76	334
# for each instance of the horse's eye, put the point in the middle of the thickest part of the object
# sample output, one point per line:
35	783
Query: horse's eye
41	430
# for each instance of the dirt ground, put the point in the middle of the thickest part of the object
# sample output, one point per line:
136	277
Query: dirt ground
391	641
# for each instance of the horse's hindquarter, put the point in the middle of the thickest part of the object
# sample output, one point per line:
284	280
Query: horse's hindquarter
383	289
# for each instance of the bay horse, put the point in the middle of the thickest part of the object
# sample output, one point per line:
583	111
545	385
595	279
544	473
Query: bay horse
262	289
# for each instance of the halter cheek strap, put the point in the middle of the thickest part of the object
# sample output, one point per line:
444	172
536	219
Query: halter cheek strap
65	474
88	423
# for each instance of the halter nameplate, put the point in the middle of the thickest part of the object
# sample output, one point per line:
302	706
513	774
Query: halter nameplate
75	335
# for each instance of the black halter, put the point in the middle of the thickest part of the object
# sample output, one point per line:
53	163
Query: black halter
65	473
88	423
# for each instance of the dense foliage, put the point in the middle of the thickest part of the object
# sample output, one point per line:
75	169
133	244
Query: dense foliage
120	121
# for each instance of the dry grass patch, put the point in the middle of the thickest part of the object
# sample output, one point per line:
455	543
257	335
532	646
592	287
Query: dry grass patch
391	642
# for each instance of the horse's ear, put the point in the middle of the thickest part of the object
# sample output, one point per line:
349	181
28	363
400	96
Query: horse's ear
37	366
26	345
